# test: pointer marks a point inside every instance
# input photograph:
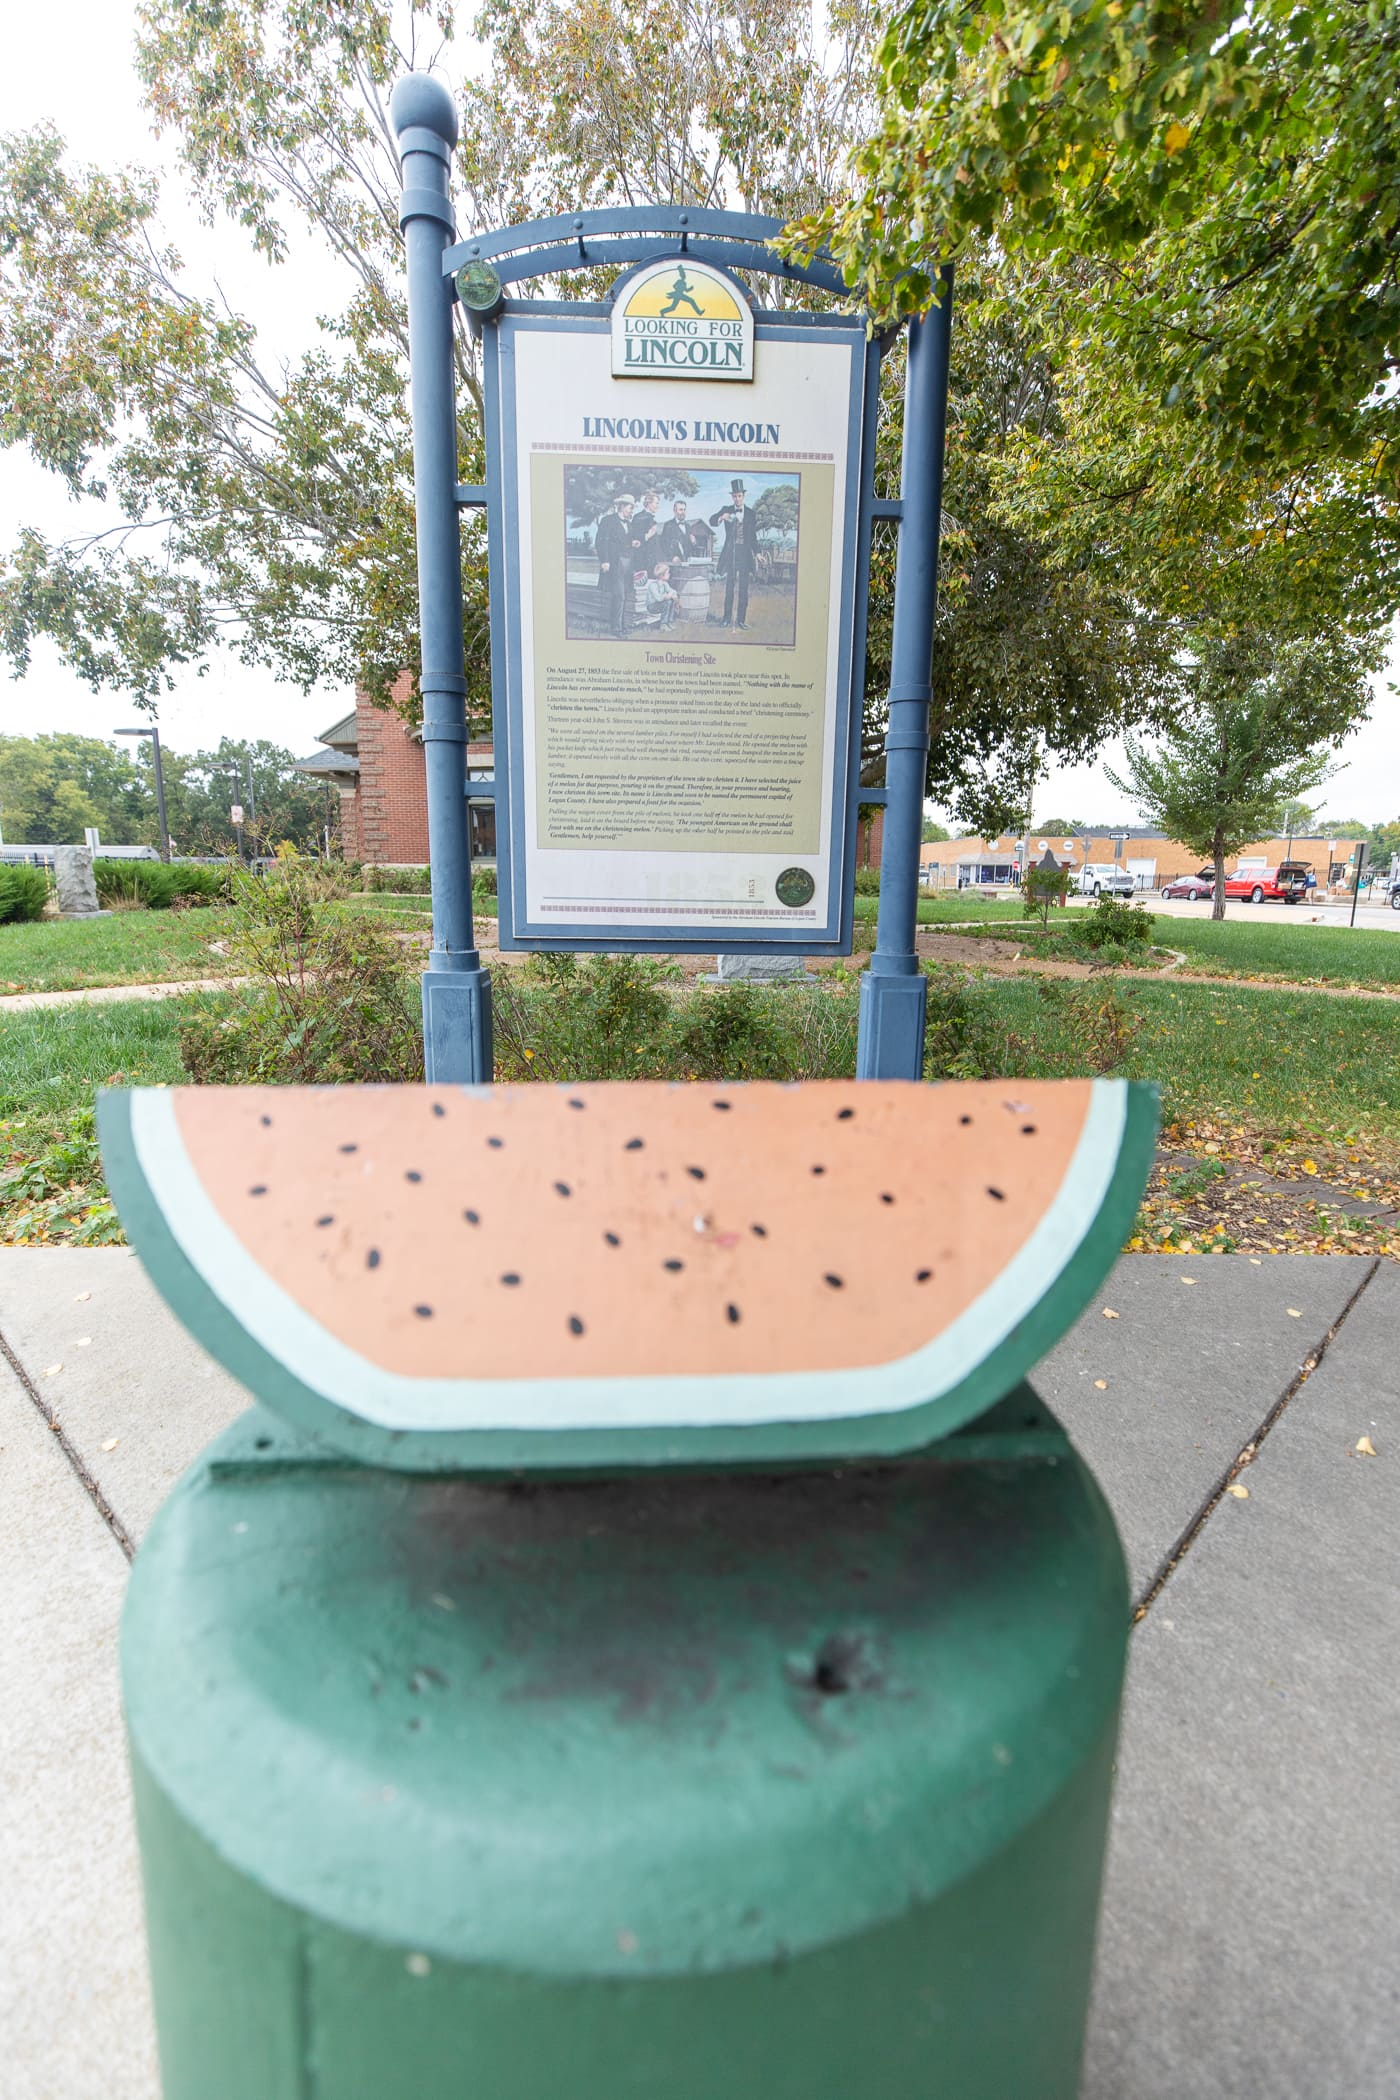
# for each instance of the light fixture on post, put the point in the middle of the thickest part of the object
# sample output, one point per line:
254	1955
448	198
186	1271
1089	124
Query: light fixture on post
164	829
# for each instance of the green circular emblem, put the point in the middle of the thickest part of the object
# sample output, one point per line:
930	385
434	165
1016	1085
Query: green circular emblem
478	287
795	886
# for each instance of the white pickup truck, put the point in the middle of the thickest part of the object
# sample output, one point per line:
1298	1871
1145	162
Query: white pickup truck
1103	878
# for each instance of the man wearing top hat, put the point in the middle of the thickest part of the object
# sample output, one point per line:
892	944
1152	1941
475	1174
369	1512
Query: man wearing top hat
617	563
738	557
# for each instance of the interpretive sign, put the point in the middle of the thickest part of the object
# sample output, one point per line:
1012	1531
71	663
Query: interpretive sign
674	591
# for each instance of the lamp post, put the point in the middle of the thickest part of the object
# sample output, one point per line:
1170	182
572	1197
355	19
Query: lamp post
161	825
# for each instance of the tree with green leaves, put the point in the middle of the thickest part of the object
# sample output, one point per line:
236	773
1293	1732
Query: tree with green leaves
271	510
54	787
934	834
1202	211
1259	719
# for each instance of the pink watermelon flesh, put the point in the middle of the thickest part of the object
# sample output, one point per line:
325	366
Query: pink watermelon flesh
638	1230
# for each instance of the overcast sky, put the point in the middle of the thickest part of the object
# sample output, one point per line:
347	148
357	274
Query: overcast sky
94	101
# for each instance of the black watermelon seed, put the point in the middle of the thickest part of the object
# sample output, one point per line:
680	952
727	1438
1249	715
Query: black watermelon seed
372	1258
964	1119
412	1174
575	1324
843	1115
266	1122
612	1239
510	1277
922	1275
721	1104
998	1194
574	1101
1028	1130
819	1170
495	1143
885	1196
731	1313
424	1312
325	1221
760	1230
696	1173
259	1188
473	1217
837	1282
438	1109
349	1148
673	1265
633	1145
563	1188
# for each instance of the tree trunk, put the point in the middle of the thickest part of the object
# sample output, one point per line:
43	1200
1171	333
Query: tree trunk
1217	907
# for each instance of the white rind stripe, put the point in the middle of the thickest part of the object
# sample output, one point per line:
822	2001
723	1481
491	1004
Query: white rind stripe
395	1401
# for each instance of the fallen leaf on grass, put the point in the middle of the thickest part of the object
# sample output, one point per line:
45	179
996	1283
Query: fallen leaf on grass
110	1443
1366	1448
1241	1494
1109	1313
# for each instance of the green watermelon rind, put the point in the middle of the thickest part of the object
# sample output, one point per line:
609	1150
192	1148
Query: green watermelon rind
864	1433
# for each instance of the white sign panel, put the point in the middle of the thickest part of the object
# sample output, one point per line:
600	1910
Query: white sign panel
679	589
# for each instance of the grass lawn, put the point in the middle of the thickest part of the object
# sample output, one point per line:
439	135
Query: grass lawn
1292	1074
130	947
144	947
1238	946
51	1064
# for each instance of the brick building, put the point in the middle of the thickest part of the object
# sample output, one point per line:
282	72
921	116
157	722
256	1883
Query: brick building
374	759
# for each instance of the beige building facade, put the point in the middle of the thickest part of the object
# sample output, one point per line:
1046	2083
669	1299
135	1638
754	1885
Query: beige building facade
1151	858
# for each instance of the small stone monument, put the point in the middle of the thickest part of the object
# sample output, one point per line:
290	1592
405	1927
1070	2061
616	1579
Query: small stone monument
77	892
757	969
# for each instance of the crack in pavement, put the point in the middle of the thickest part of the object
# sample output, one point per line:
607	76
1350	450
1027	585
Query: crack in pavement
71	1453
1187	1538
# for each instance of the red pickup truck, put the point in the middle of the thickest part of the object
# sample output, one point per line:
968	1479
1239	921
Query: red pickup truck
1284	884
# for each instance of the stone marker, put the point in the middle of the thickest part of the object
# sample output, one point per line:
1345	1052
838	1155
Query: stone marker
757	969
77	892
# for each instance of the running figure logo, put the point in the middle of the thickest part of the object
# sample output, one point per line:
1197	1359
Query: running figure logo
681	295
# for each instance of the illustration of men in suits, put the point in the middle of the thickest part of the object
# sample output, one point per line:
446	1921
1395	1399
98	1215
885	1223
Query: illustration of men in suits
675	543
617	565
738	557
646	530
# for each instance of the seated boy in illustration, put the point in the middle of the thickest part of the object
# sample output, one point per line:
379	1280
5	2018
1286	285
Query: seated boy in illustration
658	597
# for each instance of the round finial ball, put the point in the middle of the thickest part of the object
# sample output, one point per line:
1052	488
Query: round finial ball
421	99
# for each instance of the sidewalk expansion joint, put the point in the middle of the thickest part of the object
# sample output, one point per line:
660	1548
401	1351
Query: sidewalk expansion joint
1187	1539
71	1453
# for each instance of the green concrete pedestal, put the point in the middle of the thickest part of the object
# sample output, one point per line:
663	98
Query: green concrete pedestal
663	1788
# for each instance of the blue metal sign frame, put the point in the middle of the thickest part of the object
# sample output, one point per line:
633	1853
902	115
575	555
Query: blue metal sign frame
456	990
517	932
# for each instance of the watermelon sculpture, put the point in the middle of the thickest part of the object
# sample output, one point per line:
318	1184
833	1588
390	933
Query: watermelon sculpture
603	1276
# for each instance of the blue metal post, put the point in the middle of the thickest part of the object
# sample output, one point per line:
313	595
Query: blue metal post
893	991
456	990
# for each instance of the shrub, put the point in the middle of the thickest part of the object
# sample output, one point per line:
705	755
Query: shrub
1065	1030
398	882
867	882
158	885
24	891
1112	923
484	882
336	1002
1042	887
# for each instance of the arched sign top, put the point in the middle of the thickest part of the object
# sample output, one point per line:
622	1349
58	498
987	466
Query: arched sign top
639	234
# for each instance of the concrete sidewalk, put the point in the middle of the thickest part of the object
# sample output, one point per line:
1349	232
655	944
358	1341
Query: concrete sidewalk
1253	1889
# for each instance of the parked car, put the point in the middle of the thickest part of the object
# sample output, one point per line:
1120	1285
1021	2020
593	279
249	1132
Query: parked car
1103	878
1284	884
1392	883
1195	888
